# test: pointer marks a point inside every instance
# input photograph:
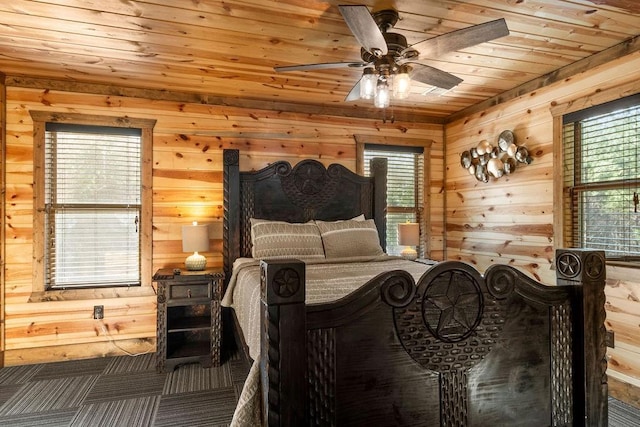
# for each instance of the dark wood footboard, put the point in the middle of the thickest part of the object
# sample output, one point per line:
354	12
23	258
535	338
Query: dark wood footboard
457	348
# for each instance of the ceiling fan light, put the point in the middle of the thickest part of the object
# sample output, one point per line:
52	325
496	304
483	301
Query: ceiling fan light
401	85
368	84
382	98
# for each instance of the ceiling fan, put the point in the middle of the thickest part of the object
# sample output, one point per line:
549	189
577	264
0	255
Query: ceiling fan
390	64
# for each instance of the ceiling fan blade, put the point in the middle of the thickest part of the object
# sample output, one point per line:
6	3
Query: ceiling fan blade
364	28
354	93
461	39
432	76
319	66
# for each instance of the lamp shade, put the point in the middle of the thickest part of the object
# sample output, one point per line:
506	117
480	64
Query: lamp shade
409	234
195	238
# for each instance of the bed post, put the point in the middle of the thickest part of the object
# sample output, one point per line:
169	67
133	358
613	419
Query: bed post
231	204
283	352
586	270
378	168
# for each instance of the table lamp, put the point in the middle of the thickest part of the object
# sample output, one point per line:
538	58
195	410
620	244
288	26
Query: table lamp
408	236
195	238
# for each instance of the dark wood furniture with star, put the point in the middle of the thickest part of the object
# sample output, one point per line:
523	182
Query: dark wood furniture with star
456	348
189	318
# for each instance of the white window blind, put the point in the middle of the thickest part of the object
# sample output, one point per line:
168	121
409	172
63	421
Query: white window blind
602	179
405	175
92	206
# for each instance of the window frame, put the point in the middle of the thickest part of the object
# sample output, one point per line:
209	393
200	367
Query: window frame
571	186
421	206
40	119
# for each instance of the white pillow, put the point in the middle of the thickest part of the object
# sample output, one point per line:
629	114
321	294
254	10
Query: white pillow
350	238
280	239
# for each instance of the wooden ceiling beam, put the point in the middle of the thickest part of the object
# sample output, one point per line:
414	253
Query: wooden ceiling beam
618	51
630	5
390	115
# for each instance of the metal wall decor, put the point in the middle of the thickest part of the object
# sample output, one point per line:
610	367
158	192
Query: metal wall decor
485	160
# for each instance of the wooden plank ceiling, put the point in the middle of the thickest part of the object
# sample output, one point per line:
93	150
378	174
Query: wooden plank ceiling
227	49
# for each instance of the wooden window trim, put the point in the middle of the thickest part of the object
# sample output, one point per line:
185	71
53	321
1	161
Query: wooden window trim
425	144
558	111
40	118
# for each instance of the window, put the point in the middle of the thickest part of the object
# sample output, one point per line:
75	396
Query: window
405	176
93	205
601	149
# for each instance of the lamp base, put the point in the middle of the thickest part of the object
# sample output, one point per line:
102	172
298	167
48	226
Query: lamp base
195	262
409	253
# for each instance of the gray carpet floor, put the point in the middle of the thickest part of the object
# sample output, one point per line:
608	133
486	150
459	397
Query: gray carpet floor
622	414
127	391
120	391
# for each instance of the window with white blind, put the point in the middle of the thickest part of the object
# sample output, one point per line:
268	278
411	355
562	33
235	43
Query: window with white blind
405	175
601	149
92	206
92	196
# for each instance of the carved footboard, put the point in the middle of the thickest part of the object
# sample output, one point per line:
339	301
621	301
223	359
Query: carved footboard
455	349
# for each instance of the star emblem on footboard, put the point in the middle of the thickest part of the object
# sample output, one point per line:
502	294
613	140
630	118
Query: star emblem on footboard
568	264
286	283
452	307
452	312
594	266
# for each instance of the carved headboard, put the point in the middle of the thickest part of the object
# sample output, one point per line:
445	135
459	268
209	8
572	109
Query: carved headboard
297	193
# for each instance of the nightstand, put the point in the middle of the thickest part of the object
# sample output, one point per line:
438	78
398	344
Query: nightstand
189	318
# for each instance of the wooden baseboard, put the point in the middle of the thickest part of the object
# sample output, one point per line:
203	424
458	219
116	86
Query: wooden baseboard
29	356
624	392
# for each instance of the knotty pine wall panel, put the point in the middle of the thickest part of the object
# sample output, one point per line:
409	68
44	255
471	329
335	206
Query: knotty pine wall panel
188	140
511	220
3	217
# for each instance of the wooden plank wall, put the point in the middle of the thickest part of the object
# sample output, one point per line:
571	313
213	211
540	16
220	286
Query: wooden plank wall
187	185
3	217
511	220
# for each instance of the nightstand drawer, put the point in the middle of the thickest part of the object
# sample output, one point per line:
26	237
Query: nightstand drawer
192	290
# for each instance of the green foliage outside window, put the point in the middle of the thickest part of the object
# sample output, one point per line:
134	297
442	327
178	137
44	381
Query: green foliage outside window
602	177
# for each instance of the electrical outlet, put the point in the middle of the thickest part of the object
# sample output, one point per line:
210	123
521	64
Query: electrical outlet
98	311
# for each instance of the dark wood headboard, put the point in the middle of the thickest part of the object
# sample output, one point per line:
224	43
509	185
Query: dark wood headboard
297	193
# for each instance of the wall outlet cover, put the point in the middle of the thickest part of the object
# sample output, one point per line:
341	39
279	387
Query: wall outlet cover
98	311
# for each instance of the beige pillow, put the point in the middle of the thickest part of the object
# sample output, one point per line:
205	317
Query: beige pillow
350	238
280	239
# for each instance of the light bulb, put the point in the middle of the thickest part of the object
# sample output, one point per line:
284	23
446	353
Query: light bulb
401	83
368	84
381	99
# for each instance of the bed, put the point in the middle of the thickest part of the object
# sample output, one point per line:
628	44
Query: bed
413	344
